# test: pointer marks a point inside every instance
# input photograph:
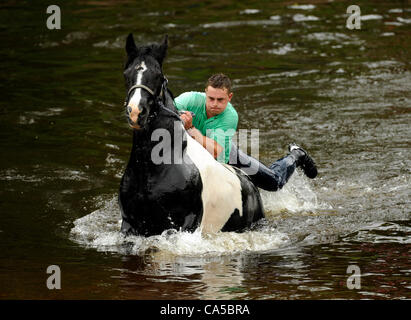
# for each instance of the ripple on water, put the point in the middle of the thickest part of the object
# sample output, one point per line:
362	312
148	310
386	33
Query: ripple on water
229	24
383	232
250	11
303	18
302	6
38	175
368	17
282	50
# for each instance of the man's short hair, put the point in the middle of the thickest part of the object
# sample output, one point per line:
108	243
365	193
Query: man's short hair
219	81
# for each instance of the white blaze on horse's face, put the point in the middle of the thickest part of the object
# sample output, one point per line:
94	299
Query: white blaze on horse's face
134	102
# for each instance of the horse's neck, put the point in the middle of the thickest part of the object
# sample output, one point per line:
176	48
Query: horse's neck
167	124
141	146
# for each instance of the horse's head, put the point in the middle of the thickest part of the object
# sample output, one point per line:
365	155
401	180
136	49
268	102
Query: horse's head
145	81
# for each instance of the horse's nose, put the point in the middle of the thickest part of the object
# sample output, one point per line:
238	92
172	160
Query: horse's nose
133	112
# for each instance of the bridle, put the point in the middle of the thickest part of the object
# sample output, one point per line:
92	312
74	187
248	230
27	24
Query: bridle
150	91
158	100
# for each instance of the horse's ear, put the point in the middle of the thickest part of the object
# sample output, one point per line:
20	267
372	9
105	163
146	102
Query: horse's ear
131	48
160	51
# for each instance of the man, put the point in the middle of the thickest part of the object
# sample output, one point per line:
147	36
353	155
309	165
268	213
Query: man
214	124
215	120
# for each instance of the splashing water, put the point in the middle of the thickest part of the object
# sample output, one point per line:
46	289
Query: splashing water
295	197
100	229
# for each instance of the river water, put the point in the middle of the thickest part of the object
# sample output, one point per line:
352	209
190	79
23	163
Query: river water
299	75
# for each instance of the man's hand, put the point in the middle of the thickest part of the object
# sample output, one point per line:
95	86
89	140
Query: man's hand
209	144
187	119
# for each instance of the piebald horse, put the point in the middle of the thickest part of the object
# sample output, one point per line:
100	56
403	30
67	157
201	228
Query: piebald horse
193	189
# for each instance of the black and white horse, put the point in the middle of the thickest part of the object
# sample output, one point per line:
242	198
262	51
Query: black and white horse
184	195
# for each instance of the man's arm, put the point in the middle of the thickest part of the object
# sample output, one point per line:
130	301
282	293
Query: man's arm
184	100
209	144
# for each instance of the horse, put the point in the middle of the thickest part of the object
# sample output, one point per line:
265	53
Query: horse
191	190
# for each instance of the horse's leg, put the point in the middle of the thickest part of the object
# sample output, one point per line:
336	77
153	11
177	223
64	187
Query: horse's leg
128	188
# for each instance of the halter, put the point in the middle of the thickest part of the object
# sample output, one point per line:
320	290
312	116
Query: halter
151	92
157	99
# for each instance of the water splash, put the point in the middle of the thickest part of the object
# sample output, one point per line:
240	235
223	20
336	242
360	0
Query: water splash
297	196
100	229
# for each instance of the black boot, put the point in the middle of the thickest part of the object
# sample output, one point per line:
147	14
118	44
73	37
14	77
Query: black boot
303	160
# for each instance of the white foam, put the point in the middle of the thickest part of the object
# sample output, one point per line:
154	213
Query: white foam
302	18
282	50
101	230
73	175
275	18
302	6
111	159
328	36
393	23
25	120
396	10
402	20
371	17
13	175
48	112
228	24
38	176
74	36
222	243
250	11
382	64
112	146
295	197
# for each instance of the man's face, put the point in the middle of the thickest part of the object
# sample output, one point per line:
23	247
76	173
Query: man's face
216	100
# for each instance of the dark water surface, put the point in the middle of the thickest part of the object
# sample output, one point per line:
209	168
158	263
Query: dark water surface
299	75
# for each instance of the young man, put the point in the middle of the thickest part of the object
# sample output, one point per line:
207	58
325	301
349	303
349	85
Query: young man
215	120
214	124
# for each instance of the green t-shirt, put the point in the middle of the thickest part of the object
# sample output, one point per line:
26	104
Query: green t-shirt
220	128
